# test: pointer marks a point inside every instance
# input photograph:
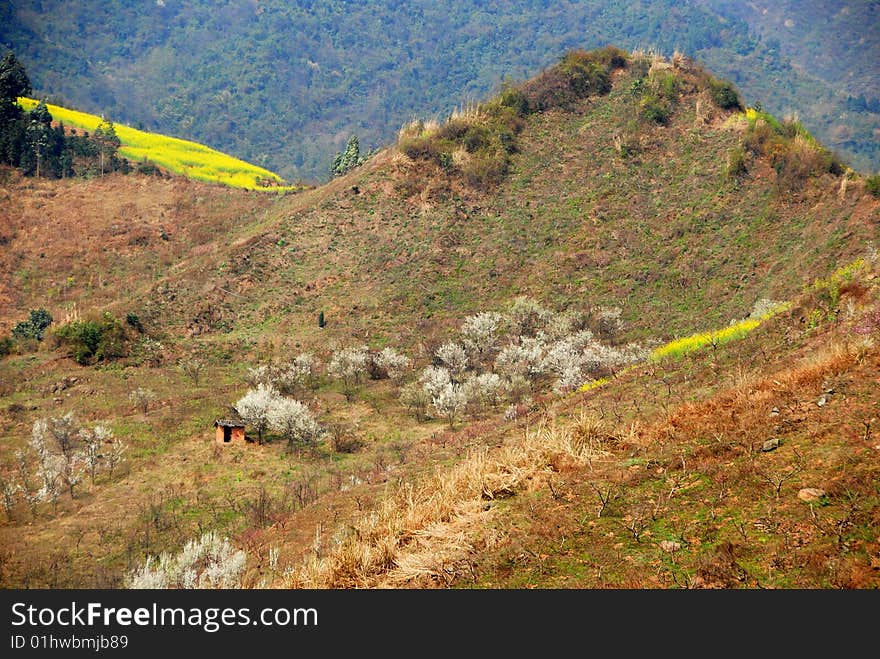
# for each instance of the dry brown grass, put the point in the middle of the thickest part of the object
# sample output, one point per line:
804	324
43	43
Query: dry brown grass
423	534
745	406
99	241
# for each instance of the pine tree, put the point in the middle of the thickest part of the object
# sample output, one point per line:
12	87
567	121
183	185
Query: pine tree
347	160
40	137
14	82
108	142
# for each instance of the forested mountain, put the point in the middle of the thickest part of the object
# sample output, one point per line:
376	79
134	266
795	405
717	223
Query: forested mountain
285	85
837	42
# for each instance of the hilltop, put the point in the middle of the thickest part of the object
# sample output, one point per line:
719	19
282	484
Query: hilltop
283	85
629	197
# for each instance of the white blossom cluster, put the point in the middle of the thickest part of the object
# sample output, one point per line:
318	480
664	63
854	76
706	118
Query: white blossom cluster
58	456
394	363
434	379
349	364
450	401
479	370
209	562
264	408
523	358
295	421
454	358
479	334
284	376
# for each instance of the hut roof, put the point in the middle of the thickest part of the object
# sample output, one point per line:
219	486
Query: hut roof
229	423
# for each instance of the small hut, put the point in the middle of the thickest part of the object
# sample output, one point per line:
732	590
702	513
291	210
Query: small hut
229	431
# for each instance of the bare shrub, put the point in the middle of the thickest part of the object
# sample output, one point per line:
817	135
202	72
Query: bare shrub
416	399
141	398
192	368
344	439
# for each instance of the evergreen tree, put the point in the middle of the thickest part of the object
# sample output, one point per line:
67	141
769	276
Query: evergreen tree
40	139
347	160
14	82
63	154
108	142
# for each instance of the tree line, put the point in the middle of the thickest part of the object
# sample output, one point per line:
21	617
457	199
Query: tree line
31	144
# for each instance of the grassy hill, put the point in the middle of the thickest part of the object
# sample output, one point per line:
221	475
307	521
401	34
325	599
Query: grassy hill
611	181
195	161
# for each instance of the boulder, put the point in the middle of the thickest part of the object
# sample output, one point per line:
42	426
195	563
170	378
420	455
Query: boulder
809	494
670	546
770	445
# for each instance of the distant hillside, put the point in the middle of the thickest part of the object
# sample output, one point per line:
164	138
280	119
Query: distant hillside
189	159
836	42
836	45
284	85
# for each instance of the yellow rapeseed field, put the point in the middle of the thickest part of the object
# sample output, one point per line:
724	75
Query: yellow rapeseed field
190	159
694	342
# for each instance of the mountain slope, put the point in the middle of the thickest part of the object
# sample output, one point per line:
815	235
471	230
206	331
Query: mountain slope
599	206
751	465
248	77
642	194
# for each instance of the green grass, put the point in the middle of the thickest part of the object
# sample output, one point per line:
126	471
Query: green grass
193	160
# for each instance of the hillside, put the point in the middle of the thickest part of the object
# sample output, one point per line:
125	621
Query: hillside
626	195
129	229
283	85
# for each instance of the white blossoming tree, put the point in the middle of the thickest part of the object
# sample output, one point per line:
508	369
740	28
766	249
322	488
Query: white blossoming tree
349	365
395	364
114	454
255	407
9	490
209	562
50	465
257	375
564	360
455	358
527	317
433	379
295	422
482	391
287	377
522	359
450	402
480	335
141	398
414	396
